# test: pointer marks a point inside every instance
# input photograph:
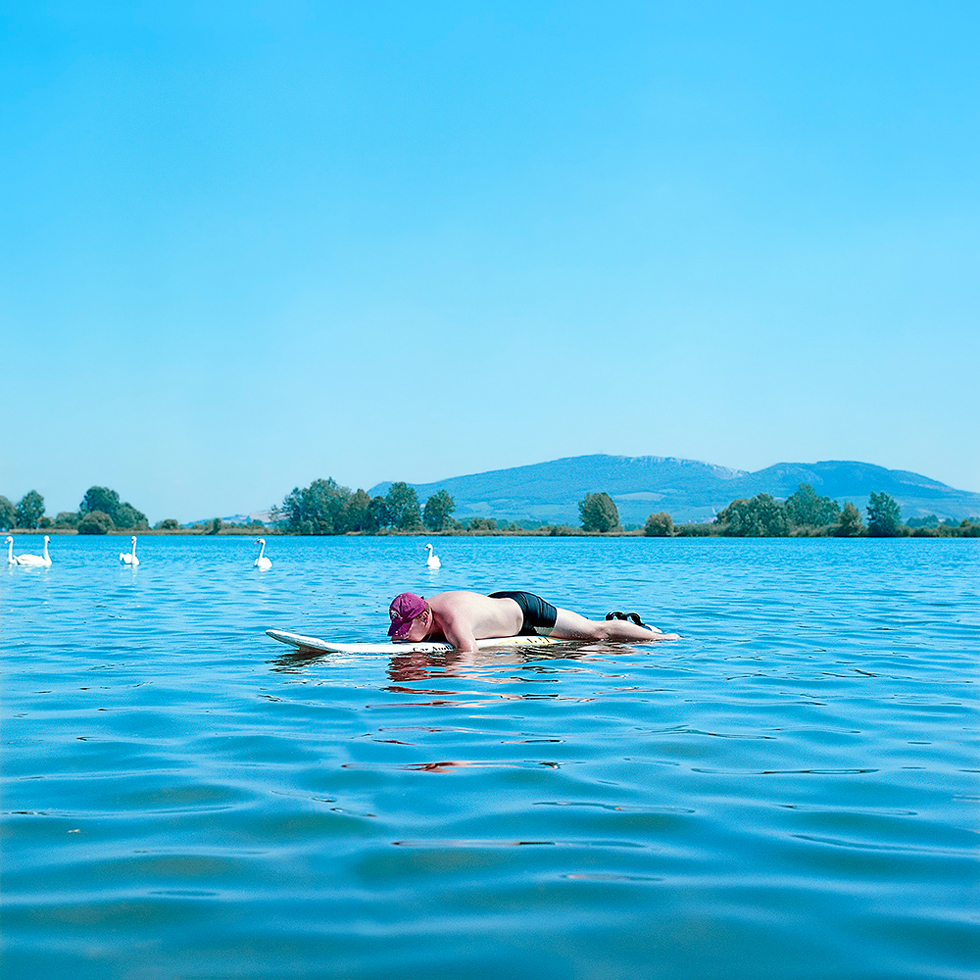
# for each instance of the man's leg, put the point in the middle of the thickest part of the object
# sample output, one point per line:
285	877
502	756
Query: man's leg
571	626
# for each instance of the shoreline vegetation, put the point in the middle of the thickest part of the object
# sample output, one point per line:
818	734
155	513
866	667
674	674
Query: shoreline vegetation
326	508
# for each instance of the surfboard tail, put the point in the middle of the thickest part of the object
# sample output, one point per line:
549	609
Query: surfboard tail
301	641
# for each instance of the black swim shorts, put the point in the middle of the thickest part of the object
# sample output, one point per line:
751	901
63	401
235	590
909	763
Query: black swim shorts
539	616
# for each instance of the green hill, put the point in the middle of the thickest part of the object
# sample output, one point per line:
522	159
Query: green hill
687	489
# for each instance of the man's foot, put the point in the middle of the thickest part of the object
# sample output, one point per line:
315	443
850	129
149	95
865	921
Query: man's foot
631	617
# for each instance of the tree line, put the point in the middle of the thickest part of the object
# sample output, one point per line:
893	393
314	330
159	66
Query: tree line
806	514
326	507
100	512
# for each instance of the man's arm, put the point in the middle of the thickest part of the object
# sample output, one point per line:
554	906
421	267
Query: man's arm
460	635
458	631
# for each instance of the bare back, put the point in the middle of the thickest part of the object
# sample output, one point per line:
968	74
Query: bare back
463	617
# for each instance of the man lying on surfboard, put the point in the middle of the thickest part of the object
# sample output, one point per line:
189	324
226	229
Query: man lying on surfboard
462	618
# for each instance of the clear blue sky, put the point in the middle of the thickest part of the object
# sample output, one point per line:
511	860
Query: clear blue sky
246	245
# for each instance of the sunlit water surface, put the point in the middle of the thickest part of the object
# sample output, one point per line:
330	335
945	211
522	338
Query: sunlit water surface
790	791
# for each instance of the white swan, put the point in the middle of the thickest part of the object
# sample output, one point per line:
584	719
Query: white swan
10	550
262	563
130	558
36	561
433	560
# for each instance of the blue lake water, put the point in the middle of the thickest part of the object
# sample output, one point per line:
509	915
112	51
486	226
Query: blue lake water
790	791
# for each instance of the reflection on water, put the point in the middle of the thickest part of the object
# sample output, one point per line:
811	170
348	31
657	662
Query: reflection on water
795	780
411	665
405	665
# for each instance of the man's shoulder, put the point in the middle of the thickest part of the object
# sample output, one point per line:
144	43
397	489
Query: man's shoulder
454	600
456	595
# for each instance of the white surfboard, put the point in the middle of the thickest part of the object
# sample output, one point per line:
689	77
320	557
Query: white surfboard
301	642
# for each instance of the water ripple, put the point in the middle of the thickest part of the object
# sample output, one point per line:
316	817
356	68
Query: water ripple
796	780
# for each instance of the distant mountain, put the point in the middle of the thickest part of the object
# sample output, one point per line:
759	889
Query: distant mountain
260	515
688	490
